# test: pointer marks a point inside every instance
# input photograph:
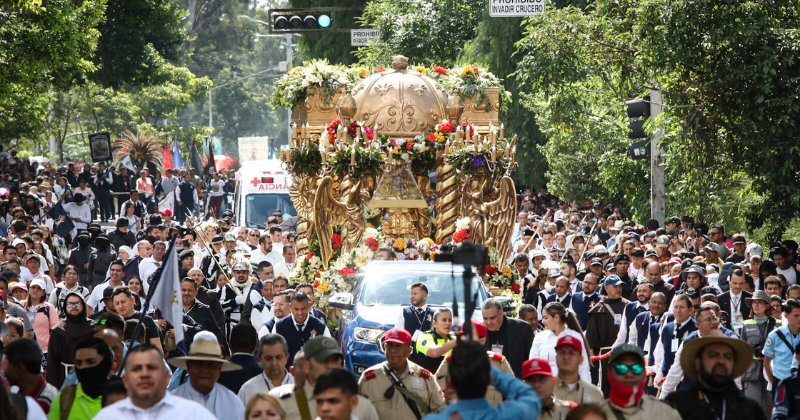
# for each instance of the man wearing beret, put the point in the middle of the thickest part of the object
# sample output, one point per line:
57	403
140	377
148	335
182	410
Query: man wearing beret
398	388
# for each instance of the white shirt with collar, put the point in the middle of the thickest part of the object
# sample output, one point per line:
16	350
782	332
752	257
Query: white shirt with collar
221	401
147	267
170	407
284	268
258	256
622	335
261	383
658	353
305	324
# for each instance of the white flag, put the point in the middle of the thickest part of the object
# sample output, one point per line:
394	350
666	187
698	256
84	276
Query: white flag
166	293
128	163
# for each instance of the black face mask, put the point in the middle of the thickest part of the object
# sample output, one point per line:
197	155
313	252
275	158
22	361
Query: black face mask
93	379
83	242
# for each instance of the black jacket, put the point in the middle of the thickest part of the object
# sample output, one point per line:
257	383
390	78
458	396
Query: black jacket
79	257
202	315
519	338
724	302
98	265
234	379
696	403
119	239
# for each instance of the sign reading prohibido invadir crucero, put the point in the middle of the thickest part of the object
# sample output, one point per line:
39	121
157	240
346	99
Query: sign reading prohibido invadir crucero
515	8
100	145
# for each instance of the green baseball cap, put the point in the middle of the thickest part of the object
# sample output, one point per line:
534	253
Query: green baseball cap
321	348
625	349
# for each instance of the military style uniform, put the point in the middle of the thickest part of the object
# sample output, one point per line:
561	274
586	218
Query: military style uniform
390	404
495	359
364	410
557	410
583	392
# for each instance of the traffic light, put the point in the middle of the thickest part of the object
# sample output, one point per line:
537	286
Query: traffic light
640	110
302	21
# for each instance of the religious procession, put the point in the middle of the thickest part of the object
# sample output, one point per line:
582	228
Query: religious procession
394	249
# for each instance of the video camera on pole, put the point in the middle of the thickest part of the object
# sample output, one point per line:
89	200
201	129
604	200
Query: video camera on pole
466	255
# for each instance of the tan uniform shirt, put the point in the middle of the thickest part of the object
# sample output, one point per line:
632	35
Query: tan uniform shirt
364	410
497	360
584	392
648	408
559	410
374	383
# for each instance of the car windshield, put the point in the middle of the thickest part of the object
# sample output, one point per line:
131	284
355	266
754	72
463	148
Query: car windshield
261	206
394	288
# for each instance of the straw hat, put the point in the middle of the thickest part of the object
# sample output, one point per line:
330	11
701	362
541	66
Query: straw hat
742	349
204	348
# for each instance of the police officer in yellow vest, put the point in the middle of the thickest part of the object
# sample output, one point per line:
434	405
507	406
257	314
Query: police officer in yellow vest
398	388
432	346
495	359
537	374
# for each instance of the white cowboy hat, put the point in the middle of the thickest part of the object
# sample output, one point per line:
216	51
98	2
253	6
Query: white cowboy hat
205	347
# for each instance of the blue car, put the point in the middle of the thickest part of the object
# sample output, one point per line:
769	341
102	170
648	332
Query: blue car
377	299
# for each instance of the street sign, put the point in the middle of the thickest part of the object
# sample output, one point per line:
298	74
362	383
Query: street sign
639	150
515	8
361	37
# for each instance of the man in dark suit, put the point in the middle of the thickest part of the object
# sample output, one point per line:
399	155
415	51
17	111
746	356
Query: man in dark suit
586	298
244	341
734	301
561	293
507	336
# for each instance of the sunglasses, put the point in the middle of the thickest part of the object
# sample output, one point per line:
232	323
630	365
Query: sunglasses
74	305
255	235
636	369
100	321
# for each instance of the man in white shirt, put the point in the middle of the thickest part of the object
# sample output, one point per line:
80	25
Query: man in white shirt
272	354
265	252
116	271
286	267
146	378
79	213
149	265
217	194
204	364
169	182
280	310
276	233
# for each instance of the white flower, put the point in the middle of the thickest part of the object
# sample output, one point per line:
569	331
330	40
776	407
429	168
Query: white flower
404	156
401	256
370	233
462	223
419	147
315	262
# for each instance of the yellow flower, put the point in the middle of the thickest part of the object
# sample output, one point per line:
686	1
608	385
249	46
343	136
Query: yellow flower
399	243
397	151
467	70
323	287
428	240
507	271
439	137
420	69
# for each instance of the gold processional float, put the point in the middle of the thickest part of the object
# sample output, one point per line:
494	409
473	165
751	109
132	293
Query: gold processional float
371	165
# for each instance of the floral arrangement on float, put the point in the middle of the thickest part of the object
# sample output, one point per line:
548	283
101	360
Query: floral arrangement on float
502	275
292	88
476	156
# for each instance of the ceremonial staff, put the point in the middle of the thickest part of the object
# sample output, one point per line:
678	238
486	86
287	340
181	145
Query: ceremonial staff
538	231
192	225
571	240
587	242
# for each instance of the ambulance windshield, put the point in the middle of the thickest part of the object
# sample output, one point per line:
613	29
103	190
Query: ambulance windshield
261	206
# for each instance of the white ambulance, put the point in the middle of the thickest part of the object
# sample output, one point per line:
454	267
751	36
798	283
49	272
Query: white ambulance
261	188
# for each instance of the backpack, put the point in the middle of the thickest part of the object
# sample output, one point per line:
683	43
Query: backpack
65	400
21	403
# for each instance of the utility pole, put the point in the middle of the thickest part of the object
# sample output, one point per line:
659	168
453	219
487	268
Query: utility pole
289	48
658	208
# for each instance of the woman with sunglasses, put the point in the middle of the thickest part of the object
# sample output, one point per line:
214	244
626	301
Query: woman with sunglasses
67	286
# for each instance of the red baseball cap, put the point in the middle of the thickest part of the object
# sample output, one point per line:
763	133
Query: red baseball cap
480	328
674	260
168	212
571	341
536	367
398	335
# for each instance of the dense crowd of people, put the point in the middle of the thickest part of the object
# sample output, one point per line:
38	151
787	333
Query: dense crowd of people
615	320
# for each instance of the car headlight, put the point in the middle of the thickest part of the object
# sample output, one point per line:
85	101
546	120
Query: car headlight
367	335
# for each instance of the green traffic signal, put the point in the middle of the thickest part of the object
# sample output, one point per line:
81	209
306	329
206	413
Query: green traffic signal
324	21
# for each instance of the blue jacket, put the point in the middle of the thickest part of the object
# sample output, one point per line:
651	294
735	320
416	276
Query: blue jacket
565	302
523	402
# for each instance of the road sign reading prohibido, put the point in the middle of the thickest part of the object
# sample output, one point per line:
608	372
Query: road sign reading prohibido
515	8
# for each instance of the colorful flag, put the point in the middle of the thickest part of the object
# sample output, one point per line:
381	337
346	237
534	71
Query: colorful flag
177	160
167	157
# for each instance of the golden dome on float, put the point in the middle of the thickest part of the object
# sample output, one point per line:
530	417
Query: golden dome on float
398	102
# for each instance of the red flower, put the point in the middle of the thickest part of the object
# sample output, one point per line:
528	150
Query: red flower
410	144
315	284
464	126
372	243
368	133
336	241
460	236
447	127
380	70
431	136
347	271
440	70
475	68
515	288
491	270
310	254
